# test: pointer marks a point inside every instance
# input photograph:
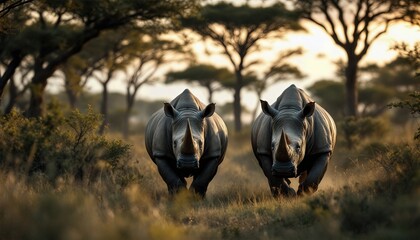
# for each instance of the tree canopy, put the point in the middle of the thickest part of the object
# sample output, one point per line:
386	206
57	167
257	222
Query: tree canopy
355	26
60	29
207	76
237	30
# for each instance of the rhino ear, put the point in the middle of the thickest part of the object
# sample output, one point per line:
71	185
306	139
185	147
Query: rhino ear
308	110
208	111
170	111
267	109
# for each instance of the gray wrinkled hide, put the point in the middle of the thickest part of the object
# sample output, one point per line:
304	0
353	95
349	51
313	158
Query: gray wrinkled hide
320	136
158	140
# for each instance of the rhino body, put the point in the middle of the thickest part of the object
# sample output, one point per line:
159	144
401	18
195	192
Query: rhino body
186	139
293	137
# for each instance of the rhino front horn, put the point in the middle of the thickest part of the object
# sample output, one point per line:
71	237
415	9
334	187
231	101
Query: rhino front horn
282	153
188	143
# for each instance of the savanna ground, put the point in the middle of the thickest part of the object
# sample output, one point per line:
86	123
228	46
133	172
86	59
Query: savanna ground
369	192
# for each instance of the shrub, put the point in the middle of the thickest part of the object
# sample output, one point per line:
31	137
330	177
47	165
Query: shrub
59	145
356	130
412	104
401	165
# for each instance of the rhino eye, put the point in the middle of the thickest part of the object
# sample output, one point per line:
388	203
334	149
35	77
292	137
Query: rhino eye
298	147
272	146
175	143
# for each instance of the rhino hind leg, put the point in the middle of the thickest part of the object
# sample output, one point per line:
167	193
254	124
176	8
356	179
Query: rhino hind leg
174	182
310	179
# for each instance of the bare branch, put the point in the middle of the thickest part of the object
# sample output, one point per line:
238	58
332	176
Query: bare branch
368	43
342	21
333	32
7	9
221	40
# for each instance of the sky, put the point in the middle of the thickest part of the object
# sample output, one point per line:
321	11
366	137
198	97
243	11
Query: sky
317	63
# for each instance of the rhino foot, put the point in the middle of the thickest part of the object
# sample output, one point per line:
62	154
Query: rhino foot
288	191
283	191
305	189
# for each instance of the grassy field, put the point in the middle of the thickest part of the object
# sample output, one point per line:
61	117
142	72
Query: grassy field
368	193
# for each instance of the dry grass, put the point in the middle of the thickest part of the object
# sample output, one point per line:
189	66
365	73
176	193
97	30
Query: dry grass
352	202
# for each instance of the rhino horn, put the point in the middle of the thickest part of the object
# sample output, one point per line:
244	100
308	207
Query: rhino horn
188	143
283	150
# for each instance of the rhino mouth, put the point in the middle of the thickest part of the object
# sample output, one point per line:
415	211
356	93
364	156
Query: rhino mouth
187	163
284	169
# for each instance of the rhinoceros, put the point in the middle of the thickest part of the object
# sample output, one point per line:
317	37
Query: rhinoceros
294	137
186	139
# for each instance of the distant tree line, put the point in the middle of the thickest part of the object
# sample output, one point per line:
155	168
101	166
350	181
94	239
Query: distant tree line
100	40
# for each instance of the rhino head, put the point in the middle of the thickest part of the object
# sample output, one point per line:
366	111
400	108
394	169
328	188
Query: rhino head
288	143
188	136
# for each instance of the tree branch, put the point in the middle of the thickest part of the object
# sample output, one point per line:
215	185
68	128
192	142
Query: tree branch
221	40
342	21
16	4
333	33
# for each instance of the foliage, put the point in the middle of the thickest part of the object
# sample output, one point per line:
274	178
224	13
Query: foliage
349	24
57	30
356	129
238	206
329	94
59	146
413	105
411	54
237	31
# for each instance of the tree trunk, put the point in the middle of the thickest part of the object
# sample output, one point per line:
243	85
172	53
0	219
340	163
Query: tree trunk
257	106
130	103
9	72
351	86
13	94
237	110
104	108
210	91
38	85
72	97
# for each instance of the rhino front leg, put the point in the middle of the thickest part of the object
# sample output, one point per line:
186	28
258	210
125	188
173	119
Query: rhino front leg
174	182
309	183
202	180
278	186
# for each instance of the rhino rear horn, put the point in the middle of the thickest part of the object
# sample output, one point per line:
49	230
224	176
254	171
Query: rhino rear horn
188	143
283	150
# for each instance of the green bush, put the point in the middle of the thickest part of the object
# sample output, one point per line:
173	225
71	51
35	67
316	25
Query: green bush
413	105
355	130
59	146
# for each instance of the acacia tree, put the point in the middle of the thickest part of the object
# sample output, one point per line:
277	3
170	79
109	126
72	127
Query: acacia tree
7	6
113	47
77	70
18	85
12	17
59	29
207	76
237	30
147	53
279	70
355	25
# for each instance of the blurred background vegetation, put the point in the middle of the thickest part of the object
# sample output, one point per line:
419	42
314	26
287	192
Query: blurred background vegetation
73	163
